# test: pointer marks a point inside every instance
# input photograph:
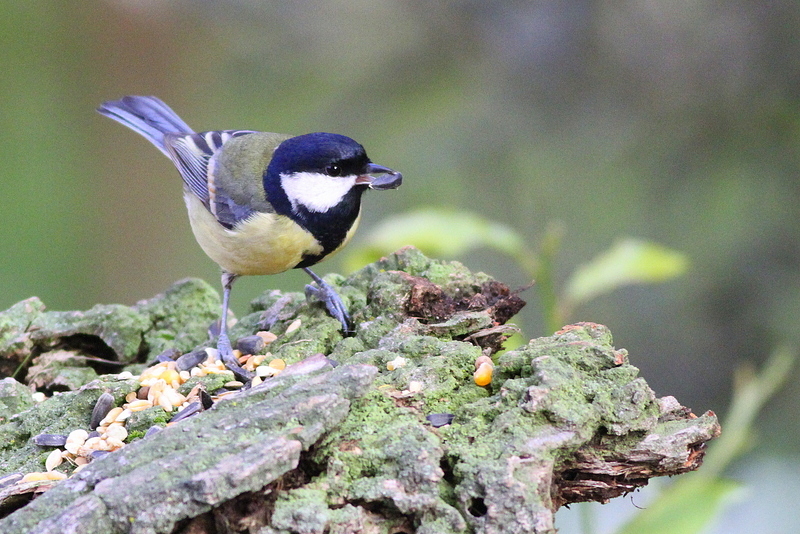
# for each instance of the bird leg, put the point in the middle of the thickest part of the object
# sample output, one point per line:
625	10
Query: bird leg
325	293
223	342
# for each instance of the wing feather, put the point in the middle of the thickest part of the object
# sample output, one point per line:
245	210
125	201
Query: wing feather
193	155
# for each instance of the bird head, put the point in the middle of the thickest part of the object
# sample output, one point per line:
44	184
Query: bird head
318	172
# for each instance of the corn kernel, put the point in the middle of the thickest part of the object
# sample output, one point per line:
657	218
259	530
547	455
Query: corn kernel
170	375
483	374
39	476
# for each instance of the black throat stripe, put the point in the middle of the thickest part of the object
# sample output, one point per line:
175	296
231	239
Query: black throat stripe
331	227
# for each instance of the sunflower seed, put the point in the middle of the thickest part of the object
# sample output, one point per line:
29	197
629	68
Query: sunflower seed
440	419
50	440
193	409
101	408
250	344
192	359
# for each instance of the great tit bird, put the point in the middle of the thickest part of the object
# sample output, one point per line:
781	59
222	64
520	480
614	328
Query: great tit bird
262	203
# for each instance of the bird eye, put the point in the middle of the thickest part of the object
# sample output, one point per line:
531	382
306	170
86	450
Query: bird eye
333	170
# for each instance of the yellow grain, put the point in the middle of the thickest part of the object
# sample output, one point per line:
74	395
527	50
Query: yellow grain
138	405
278	364
483	374
111	416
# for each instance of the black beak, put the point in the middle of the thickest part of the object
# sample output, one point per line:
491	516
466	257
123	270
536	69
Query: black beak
387	179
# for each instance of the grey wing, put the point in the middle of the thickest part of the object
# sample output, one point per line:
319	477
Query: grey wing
193	155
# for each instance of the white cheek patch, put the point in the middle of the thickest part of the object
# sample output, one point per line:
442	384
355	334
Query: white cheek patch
314	191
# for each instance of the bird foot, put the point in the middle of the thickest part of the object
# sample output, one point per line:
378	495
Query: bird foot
333	302
229	359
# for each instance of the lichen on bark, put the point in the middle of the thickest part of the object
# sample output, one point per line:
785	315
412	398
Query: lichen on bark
341	442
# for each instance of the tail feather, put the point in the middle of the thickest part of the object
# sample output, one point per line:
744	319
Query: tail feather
148	116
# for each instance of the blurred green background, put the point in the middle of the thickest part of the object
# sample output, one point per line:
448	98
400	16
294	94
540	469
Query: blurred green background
674	122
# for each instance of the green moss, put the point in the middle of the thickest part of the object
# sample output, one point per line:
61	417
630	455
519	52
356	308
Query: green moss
179	318
317	333
139	422
387	296
15	322
346	349
438	401
373	330
14	398
462	324
369	418
301	510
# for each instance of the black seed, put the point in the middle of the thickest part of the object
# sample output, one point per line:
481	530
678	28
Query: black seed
193	409
241	374
96	455
192	359
250	344
101	409
440	419
169	355
206	400
50	440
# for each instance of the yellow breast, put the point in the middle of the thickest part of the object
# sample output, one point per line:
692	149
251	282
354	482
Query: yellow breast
264	244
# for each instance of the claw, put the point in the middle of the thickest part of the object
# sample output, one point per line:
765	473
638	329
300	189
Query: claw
226	355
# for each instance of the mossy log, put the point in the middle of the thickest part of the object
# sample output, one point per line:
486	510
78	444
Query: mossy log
385	431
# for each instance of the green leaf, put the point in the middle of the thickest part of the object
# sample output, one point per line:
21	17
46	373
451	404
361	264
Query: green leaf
436	232
752	390
629	261
687	507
